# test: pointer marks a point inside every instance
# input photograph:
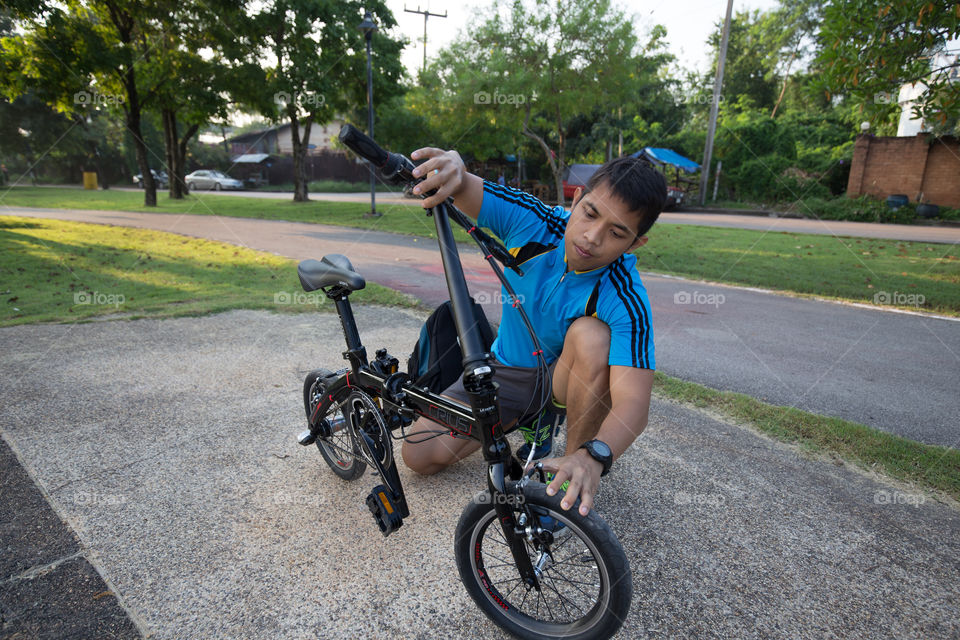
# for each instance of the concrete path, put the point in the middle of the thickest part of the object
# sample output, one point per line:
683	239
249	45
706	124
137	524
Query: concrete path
707	218
893	371
168	448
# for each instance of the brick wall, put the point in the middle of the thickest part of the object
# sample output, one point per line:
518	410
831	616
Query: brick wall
918	166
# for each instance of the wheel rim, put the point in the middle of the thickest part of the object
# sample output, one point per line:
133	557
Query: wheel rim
575	587
340	446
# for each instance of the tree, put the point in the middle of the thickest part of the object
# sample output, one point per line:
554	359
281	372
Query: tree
531	69
88	55
790	30
191	88
870	48
749	69
314	59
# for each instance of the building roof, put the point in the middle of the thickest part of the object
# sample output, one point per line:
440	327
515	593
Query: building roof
250	158
667	156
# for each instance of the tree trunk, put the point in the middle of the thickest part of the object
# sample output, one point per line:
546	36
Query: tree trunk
546	150
783	87
140	149
181	159
169	143
124	23
300	192
176	148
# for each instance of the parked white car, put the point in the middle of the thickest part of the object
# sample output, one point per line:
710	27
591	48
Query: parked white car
211	179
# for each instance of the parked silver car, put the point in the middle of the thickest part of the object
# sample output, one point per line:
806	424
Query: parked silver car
211	179
160	178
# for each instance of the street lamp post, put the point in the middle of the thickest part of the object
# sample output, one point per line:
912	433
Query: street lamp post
368	26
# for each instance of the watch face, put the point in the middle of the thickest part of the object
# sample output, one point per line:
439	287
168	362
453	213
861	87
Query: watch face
601	448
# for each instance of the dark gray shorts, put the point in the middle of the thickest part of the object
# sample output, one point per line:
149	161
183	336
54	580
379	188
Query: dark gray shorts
522	396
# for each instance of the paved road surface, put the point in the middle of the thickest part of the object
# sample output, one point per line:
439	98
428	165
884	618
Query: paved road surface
916	233
894	371
167	446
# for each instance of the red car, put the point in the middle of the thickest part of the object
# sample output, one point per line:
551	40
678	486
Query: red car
577	175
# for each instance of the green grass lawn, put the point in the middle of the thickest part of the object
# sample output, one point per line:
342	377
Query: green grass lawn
398	218
54	271
920	276
856	269
929	466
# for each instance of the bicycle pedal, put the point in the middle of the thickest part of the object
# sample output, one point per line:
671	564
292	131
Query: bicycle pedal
384	510
306	438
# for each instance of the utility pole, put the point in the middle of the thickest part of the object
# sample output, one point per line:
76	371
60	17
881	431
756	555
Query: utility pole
426	14
718	82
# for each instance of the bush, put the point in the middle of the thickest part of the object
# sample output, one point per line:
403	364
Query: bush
862	209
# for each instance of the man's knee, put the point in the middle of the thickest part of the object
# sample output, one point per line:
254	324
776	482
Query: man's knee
436	454
584	362
588	340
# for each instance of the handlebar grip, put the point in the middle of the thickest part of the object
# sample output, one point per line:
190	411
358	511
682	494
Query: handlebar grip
363	145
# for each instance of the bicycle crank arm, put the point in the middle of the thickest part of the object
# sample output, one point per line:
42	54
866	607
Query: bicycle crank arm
387	504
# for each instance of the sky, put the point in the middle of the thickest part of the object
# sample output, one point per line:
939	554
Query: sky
688	24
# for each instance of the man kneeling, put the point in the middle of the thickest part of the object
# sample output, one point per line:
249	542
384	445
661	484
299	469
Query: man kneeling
588	307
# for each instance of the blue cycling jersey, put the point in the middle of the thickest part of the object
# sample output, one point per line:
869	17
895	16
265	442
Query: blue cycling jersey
554	297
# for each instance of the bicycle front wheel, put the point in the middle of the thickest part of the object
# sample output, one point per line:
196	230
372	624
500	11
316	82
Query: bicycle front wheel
585	585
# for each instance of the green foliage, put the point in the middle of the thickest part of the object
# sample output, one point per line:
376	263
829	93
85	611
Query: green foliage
748	71
861	209
794	156
869	48
536	71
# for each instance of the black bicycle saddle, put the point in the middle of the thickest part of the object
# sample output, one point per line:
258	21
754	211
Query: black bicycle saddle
329	271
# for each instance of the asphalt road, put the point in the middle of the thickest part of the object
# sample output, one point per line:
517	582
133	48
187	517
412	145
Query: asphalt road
168	447
893	371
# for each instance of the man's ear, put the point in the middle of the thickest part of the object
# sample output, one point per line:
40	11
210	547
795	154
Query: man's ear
639	242
576	196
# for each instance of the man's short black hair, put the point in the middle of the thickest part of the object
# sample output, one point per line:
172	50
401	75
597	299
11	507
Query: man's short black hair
634	180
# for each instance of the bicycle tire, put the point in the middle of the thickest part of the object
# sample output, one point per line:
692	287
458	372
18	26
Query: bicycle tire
607	569
334	448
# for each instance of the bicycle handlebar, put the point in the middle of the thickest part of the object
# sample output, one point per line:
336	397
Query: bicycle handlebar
392	166
398	169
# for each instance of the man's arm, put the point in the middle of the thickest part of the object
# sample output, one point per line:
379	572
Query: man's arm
445	172
630	390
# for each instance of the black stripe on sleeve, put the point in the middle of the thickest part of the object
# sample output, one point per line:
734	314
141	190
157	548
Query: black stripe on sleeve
642	312
555	224
617	283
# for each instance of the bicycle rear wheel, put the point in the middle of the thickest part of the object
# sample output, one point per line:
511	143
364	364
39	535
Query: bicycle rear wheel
585	580
340	450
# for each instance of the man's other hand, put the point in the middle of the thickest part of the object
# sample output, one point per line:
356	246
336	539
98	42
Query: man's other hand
582	471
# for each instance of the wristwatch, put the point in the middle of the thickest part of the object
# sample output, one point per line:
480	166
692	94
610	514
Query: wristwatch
599	451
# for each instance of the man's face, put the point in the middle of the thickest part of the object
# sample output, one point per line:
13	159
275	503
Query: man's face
601	229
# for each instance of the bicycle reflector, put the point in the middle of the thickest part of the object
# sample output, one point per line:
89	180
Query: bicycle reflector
384	510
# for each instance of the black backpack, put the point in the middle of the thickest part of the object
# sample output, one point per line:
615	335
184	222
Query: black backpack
437	361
